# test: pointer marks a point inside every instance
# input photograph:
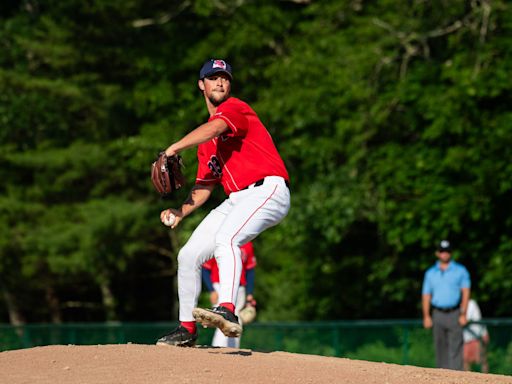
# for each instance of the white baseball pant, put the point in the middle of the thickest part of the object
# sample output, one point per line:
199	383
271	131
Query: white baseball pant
236	221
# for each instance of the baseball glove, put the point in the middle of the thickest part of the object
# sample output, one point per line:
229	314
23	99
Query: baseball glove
247	314
166	174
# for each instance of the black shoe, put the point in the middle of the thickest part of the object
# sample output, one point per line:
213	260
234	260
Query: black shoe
180	337
219	317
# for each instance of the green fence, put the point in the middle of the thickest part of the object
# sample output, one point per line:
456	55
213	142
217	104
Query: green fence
391	341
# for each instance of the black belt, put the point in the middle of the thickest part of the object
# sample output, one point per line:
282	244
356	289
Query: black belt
451	309
261	181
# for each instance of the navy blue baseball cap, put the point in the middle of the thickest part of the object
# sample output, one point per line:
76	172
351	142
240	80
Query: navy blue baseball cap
212	66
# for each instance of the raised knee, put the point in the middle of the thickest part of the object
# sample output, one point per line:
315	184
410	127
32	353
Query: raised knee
227	240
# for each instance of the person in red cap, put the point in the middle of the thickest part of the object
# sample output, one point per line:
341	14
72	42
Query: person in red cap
235	150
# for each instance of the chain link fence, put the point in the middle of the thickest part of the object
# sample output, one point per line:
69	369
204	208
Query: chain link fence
390	341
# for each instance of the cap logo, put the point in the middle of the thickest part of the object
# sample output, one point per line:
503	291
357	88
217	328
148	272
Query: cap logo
219	64
445	244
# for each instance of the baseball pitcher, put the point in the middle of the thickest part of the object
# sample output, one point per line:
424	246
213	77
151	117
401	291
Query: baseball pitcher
235	150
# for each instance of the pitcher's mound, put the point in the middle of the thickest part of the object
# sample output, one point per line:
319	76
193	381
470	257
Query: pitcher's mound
149	364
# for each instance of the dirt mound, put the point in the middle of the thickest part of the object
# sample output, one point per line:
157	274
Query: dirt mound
148	364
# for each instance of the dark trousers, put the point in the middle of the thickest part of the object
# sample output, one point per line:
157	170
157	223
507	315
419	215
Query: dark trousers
448	339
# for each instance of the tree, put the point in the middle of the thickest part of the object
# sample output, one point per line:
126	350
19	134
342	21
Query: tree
392	117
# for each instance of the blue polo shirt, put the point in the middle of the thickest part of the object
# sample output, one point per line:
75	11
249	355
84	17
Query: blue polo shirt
445	286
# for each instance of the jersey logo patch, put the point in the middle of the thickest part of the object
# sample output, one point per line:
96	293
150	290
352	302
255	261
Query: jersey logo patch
215	167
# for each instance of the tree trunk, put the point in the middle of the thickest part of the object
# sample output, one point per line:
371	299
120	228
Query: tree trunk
109	302
15	315
53	304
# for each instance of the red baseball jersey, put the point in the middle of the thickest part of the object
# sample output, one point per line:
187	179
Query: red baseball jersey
242	155
248	262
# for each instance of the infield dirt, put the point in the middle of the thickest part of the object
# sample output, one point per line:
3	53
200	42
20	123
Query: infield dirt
148	364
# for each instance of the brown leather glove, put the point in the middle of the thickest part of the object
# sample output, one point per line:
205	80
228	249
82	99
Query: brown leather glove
166	174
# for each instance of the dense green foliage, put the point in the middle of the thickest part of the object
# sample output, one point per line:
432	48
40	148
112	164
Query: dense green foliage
393	118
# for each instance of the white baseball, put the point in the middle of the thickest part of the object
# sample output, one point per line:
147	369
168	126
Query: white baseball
169	219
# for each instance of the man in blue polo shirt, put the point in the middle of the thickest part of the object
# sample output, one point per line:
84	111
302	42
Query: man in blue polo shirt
446	289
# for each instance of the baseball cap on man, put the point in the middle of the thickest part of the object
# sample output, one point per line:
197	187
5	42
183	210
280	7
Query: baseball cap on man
213	66
444	246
